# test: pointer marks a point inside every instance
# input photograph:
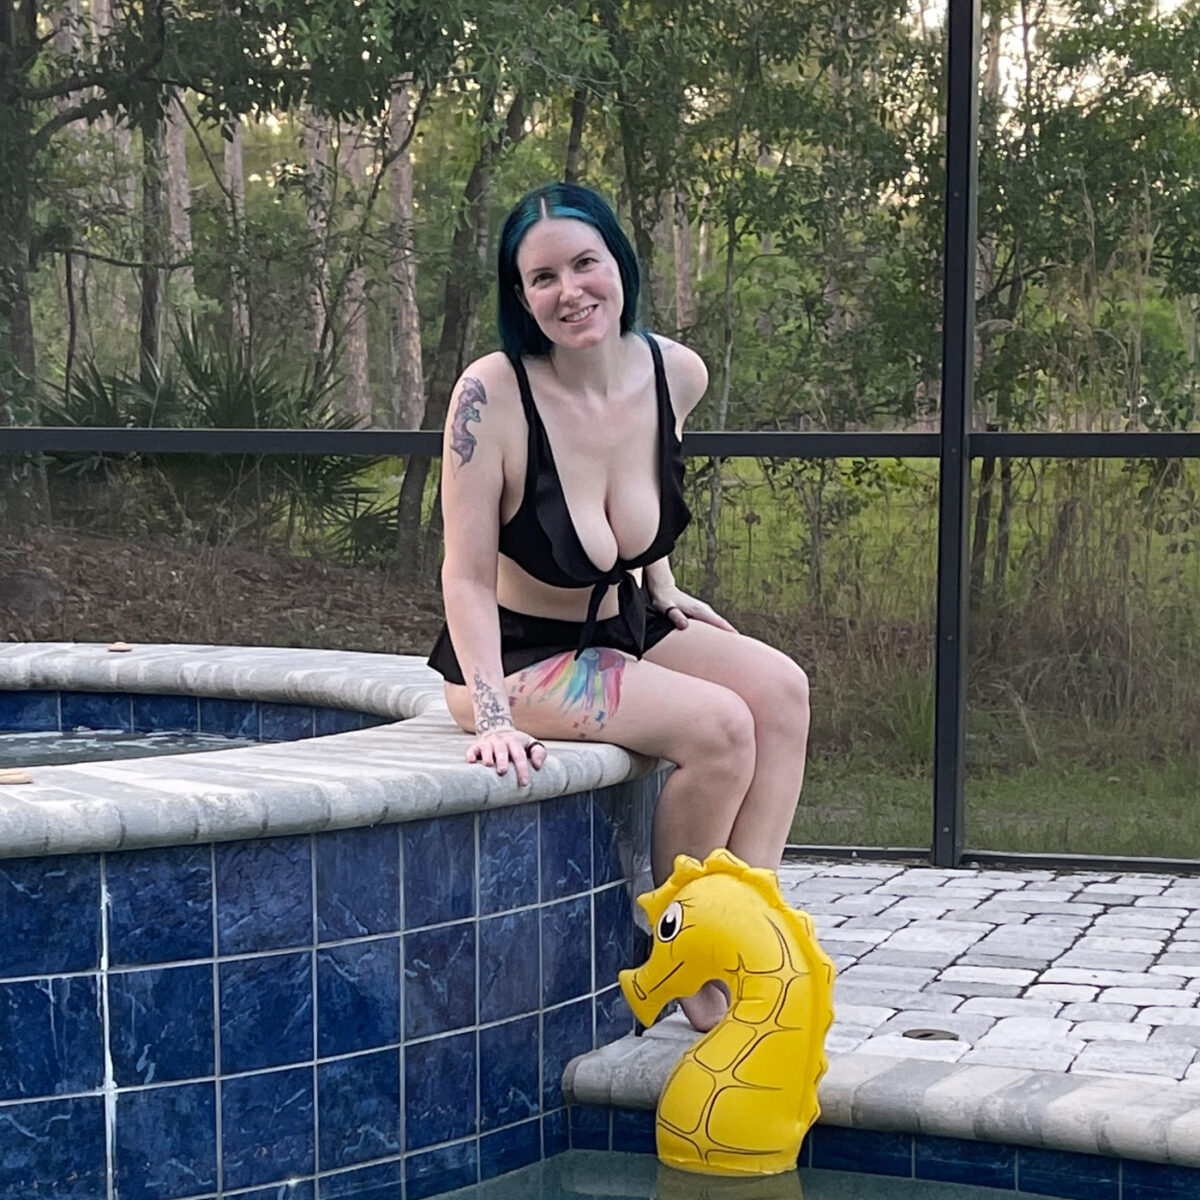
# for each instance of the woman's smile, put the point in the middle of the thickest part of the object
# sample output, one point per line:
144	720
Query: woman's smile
570	280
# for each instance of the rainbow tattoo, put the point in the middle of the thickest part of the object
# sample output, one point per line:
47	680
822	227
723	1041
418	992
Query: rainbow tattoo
589	684
471	397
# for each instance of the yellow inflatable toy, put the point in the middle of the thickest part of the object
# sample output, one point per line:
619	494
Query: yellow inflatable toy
740	1101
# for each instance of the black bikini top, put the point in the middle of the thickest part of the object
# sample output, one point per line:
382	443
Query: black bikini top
541	539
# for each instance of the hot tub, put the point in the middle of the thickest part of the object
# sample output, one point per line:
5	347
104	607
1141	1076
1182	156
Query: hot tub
340	961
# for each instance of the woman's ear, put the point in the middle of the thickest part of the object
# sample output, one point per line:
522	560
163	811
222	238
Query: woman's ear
521	296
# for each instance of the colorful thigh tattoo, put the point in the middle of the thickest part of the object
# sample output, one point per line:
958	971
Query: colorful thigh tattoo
588	687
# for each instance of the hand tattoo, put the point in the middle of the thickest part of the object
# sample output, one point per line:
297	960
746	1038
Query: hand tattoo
491	713
471	396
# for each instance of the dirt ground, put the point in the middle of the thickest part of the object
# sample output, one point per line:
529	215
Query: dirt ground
82	587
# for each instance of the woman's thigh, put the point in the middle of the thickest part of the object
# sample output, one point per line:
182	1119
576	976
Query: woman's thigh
606	696
761	675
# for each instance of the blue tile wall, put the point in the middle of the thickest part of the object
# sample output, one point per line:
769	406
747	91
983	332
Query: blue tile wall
379	1182
358	996
54	1148
29	712
565	972
508	858
358	882
441	1170
343	1014
440	1089
160	905
953	1160
1068	1176
510	1149
230	718
96	710
45	711
50	915
152	714
51	1038
508	1073
161	1025
358	1102
264	894
509	977
439	870
1022	1170
268	1131
266	1011
633	1130
439	980
149	1163
566	837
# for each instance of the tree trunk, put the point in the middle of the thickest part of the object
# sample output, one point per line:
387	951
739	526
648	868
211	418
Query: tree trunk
642	196
235	188
711	576
979	538
315	138
685	296
463	289
408	376
575	136
179	192
150	273
1003	527
358	383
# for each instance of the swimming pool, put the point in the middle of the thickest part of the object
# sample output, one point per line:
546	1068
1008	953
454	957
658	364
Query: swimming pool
599	1175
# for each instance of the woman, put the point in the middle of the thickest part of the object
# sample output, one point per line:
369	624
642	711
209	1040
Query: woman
562	490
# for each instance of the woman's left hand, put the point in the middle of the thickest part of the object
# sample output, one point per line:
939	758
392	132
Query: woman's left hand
682	608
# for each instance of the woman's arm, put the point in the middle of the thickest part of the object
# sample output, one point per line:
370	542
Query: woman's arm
472	488
687	379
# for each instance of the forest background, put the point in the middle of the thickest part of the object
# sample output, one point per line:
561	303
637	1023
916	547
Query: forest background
275	213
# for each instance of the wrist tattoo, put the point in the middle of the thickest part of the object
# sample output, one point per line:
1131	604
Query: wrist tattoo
491	713
471	398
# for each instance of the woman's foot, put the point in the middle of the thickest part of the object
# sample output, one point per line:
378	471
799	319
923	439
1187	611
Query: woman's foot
707	1006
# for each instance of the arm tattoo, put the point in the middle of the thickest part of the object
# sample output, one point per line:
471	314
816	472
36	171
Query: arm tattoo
491	713
471	397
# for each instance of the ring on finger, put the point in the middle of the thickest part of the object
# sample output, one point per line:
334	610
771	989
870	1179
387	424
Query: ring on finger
530	745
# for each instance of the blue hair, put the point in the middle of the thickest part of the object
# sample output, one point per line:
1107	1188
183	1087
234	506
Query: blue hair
519	332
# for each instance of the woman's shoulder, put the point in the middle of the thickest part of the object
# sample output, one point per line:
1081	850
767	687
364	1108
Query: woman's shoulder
687	376
494	371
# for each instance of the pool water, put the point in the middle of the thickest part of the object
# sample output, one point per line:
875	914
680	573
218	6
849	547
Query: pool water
603	1175
100	745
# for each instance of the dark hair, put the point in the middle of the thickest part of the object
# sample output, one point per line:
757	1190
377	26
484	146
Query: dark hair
519	332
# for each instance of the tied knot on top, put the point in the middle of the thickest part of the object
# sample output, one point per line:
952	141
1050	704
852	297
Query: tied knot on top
630	608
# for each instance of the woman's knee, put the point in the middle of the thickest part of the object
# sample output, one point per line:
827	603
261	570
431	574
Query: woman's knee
722	743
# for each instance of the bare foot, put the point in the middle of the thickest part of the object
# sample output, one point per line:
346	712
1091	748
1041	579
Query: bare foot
707	1006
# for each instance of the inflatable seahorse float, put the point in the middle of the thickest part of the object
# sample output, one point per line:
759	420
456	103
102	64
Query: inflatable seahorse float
740	1101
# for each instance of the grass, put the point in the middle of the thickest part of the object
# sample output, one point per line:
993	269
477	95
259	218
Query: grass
1057	806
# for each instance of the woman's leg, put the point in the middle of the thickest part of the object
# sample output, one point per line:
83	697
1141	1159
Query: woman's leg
775	690
604	696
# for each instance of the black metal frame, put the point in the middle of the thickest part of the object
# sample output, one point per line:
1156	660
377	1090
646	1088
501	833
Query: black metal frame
954	447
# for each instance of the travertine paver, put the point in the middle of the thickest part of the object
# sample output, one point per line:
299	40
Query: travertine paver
1071	1001
1095	973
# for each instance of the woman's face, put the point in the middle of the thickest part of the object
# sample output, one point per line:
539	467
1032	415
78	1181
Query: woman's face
570	282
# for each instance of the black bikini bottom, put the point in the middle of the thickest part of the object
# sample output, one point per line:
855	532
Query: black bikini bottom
525	640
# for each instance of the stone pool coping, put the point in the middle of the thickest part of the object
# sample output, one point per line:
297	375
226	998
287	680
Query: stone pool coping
407	770
1119	1117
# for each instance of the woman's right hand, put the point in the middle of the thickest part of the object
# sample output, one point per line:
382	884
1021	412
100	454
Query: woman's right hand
500	747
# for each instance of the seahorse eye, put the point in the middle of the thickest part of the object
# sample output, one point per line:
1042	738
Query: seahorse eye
671	922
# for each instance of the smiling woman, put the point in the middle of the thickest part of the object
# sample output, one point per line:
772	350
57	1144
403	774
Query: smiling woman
563	499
